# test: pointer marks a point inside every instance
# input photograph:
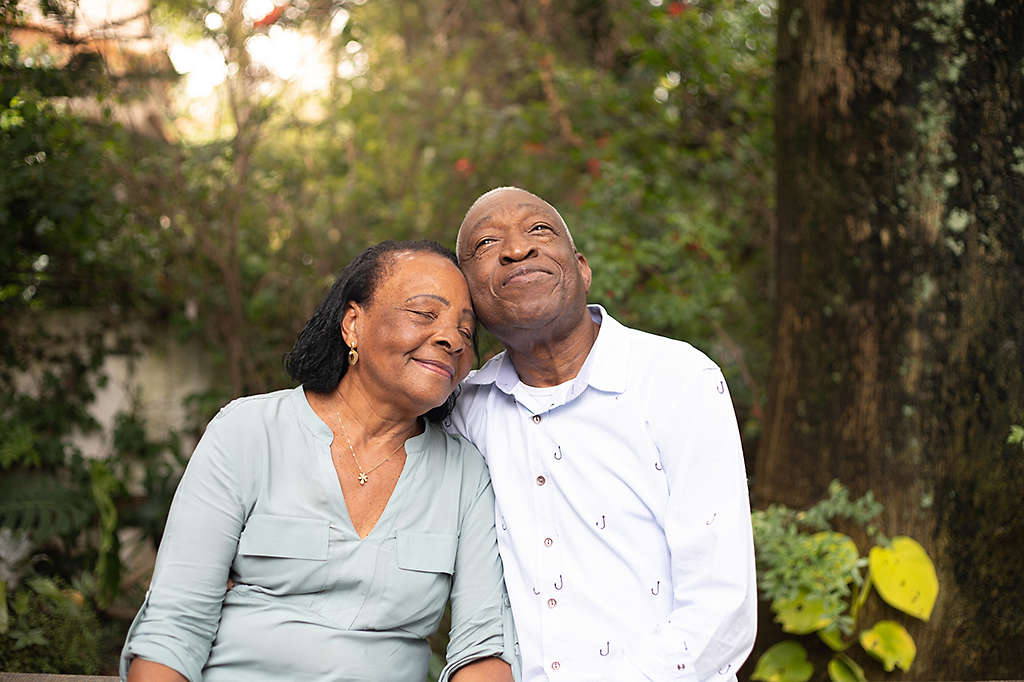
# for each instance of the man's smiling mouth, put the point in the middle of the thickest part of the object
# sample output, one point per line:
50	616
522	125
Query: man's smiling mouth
523	275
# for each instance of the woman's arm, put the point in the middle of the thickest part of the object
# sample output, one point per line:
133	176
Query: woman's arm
178	620
483	670
481	629
142	670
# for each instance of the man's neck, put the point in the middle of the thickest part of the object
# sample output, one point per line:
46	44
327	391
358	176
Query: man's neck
553	361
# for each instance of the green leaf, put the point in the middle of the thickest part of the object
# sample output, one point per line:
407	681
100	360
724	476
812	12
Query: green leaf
45	587
905	576
108	564
891	644
833	638
801	615
5	618
783	662
842	668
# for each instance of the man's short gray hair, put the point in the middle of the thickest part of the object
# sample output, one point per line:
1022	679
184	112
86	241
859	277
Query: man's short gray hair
485	195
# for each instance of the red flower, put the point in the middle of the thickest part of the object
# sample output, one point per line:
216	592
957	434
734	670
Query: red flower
271	16
464	166
676	8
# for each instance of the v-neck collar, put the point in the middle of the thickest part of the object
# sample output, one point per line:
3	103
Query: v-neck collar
328	475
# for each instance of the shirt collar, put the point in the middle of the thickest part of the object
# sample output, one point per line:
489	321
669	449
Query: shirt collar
606	366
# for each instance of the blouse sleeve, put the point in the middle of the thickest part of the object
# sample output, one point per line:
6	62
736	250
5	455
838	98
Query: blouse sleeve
481	620
178	619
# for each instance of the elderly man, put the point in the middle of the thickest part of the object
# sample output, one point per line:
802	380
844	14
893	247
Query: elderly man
622	507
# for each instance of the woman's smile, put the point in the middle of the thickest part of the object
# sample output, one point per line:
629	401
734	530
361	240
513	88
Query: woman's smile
436	367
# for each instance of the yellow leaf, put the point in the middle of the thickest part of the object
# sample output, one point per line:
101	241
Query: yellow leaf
891	644
905	577
783	662
842	668
801	615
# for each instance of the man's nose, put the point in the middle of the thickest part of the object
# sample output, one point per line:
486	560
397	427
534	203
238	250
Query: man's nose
516	248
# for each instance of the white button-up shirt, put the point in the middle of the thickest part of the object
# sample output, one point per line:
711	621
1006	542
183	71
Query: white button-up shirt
622	512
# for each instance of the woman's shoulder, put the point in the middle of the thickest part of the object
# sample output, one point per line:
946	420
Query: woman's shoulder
261	407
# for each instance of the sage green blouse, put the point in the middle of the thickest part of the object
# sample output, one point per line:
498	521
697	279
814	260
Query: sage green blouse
260	503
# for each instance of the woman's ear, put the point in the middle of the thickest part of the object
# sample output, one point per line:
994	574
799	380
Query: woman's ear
351	320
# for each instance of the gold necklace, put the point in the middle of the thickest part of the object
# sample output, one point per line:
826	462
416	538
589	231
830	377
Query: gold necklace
364	476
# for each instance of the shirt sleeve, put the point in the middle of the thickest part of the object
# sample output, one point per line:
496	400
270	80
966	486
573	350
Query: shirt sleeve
178	619
481	618
711	628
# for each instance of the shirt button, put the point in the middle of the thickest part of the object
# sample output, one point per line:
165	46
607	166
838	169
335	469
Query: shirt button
555	665
552	603
681	666
548	542
541	480
536	419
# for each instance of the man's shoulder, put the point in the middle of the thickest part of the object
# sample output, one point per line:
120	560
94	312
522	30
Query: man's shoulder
451	444
661	355
488	372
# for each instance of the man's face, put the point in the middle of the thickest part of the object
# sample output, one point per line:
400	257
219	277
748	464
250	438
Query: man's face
523	272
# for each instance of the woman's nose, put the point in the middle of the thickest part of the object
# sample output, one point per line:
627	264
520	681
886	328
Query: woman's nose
451	340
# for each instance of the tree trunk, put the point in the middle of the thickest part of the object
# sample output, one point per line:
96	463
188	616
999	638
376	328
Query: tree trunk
899	340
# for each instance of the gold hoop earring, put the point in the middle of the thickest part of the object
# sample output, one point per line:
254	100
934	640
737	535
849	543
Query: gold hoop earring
353	356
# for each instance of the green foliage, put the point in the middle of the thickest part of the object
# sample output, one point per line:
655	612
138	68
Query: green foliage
35	503
49	630
798	566
79	271
813	578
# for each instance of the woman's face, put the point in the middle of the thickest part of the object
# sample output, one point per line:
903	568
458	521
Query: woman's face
415	336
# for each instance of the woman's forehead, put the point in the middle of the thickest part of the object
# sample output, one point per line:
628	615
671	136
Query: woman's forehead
421	273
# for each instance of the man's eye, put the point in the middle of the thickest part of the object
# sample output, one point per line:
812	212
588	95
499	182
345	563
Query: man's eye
486	241
468	333
539	227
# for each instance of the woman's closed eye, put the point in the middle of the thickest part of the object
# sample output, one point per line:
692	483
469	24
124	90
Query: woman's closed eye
427	314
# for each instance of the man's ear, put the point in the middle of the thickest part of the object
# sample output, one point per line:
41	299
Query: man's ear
585	273
351	320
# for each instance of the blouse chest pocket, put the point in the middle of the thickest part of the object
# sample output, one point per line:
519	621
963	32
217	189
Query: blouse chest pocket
418	590
426	552
283	554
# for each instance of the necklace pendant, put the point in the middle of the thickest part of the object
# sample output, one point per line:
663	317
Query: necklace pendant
363	478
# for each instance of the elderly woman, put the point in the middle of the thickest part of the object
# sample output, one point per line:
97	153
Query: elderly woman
340	511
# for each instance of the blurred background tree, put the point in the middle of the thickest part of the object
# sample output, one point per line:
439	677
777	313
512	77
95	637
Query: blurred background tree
899	358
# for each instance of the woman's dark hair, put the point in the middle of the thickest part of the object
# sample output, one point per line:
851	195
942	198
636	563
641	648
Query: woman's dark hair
319	358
